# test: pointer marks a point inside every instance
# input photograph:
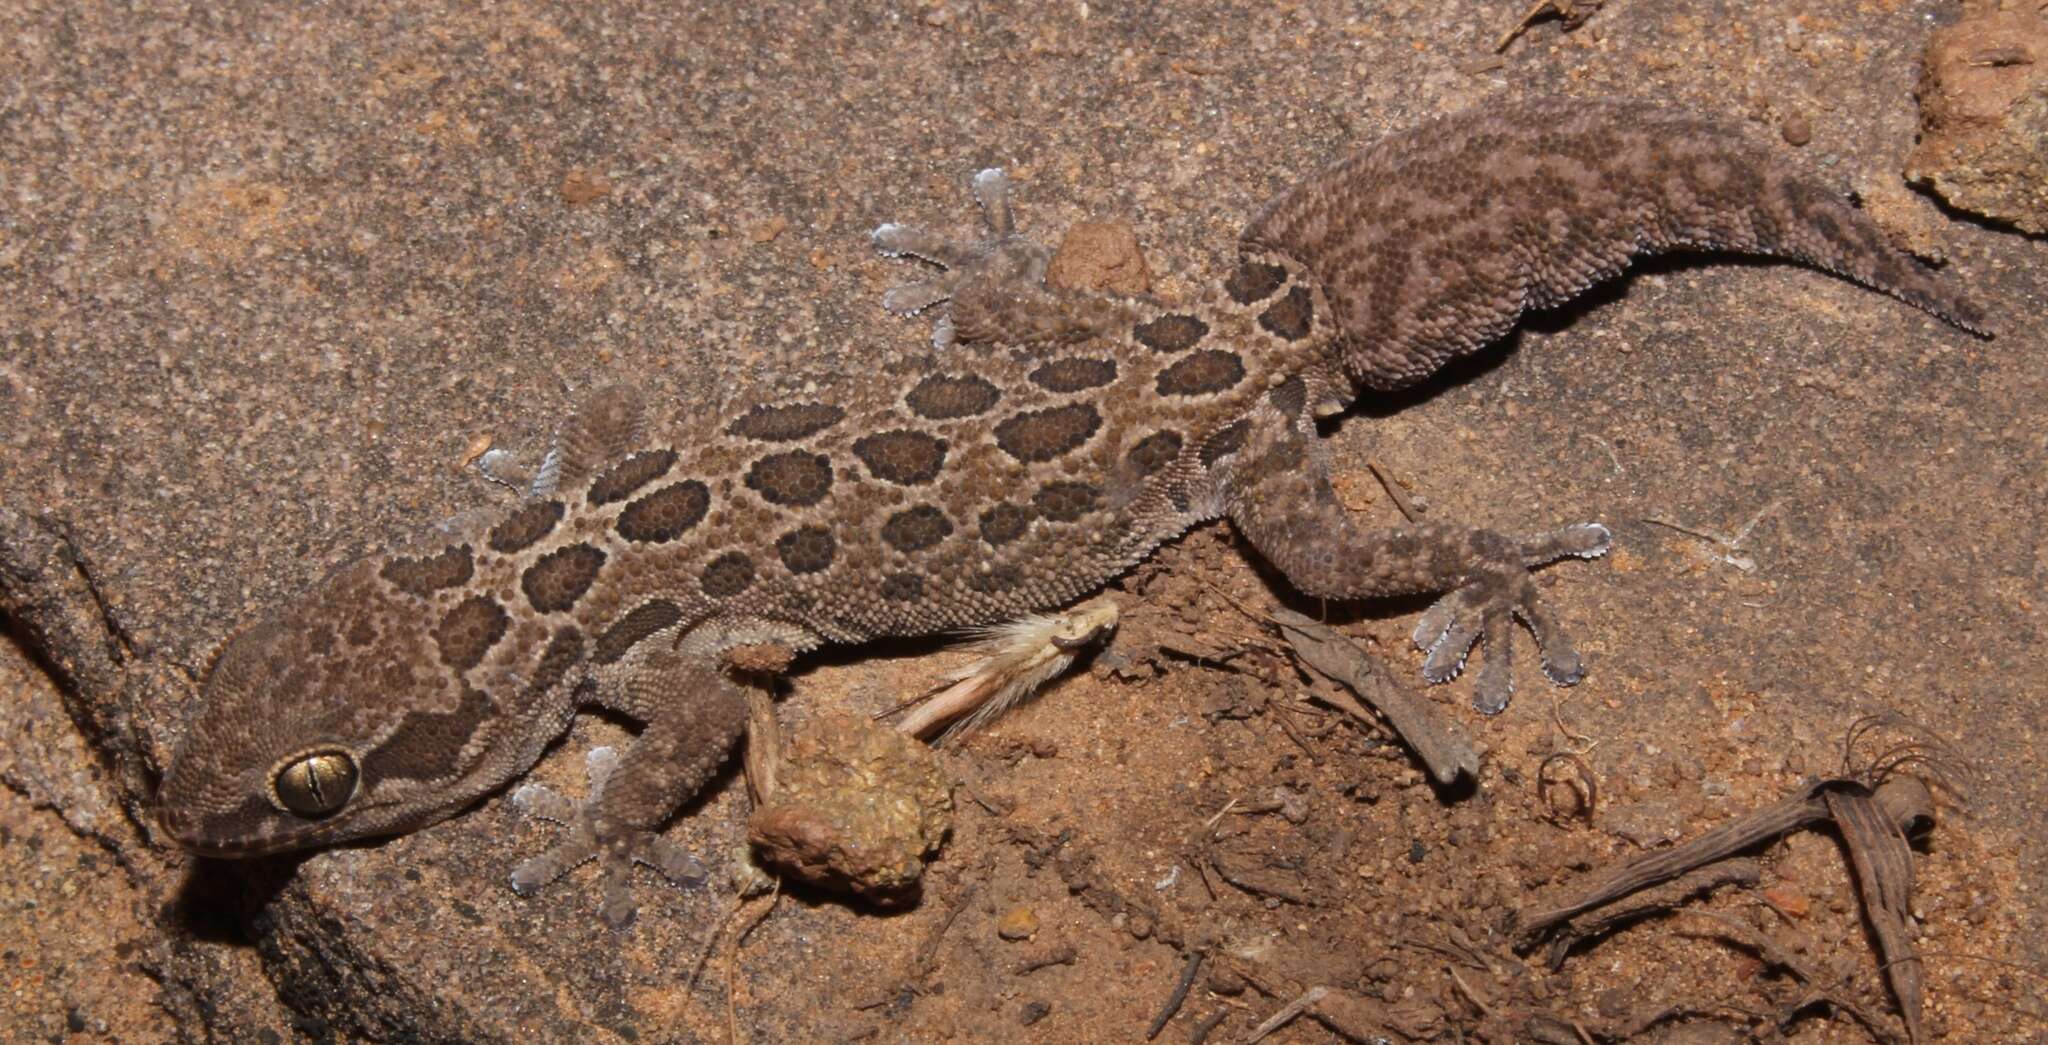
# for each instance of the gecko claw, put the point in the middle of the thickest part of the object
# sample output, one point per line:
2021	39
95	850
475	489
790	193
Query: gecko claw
894	240
1580	541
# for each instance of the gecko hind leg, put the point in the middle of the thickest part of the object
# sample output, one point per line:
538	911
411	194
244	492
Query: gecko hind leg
1279	496
993	290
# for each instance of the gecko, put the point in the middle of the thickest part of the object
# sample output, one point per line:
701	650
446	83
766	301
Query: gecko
1054	439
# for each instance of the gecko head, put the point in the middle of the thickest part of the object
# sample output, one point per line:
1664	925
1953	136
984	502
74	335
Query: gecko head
341	718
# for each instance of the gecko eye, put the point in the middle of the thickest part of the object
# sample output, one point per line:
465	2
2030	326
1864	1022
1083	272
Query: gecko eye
317	783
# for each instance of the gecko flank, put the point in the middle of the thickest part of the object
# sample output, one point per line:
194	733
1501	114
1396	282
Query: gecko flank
1055	440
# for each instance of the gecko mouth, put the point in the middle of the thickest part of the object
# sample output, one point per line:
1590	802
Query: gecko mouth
190	833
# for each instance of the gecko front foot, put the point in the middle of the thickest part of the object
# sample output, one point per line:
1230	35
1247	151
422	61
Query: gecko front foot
1486	606
591	836
993	289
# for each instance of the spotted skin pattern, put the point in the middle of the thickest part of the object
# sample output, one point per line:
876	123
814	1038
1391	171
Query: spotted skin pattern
1057	438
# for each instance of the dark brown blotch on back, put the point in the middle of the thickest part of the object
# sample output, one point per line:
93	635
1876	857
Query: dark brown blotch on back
1223	442
1004	523
395	675
1254	281
1205	373
806	549
942	397
626	632
1065	501
1041	435
561	577
621	480
469	631
362	631
782	424
728	575
528	523
1291	316
1074	374
429	744
1171	333
915	529
793	478
319	639
902	456
665	514
1155	451
426	575
903	587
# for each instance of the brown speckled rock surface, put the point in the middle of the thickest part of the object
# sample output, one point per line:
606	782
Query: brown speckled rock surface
269	274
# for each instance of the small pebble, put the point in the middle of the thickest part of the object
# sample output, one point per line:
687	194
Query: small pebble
1018	923
1792	902
581	186
1032	1012
1100	255
1796	129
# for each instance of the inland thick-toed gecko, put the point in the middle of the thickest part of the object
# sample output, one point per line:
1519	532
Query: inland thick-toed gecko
1057	438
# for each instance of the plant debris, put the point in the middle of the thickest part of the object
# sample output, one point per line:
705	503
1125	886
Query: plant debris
1015	660
1438	742
854	806
1874	814
1573	13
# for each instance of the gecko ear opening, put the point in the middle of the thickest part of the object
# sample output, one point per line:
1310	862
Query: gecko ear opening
315	783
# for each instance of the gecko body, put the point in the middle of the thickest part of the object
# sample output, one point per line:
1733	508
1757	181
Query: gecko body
1057	439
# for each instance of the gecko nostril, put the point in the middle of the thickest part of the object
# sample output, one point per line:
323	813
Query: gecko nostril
174	822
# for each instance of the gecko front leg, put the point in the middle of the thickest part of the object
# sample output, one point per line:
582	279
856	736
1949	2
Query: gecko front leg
994	289
693	714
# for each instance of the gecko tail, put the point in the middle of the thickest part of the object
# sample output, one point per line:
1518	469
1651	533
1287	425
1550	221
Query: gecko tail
1434	241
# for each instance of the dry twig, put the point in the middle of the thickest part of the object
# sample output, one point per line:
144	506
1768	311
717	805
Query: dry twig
1179	995
1437	741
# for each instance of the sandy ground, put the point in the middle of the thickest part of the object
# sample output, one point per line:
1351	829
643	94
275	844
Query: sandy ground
268	275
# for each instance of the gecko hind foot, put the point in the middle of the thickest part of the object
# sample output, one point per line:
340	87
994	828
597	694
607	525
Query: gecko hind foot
1485	608
615	846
